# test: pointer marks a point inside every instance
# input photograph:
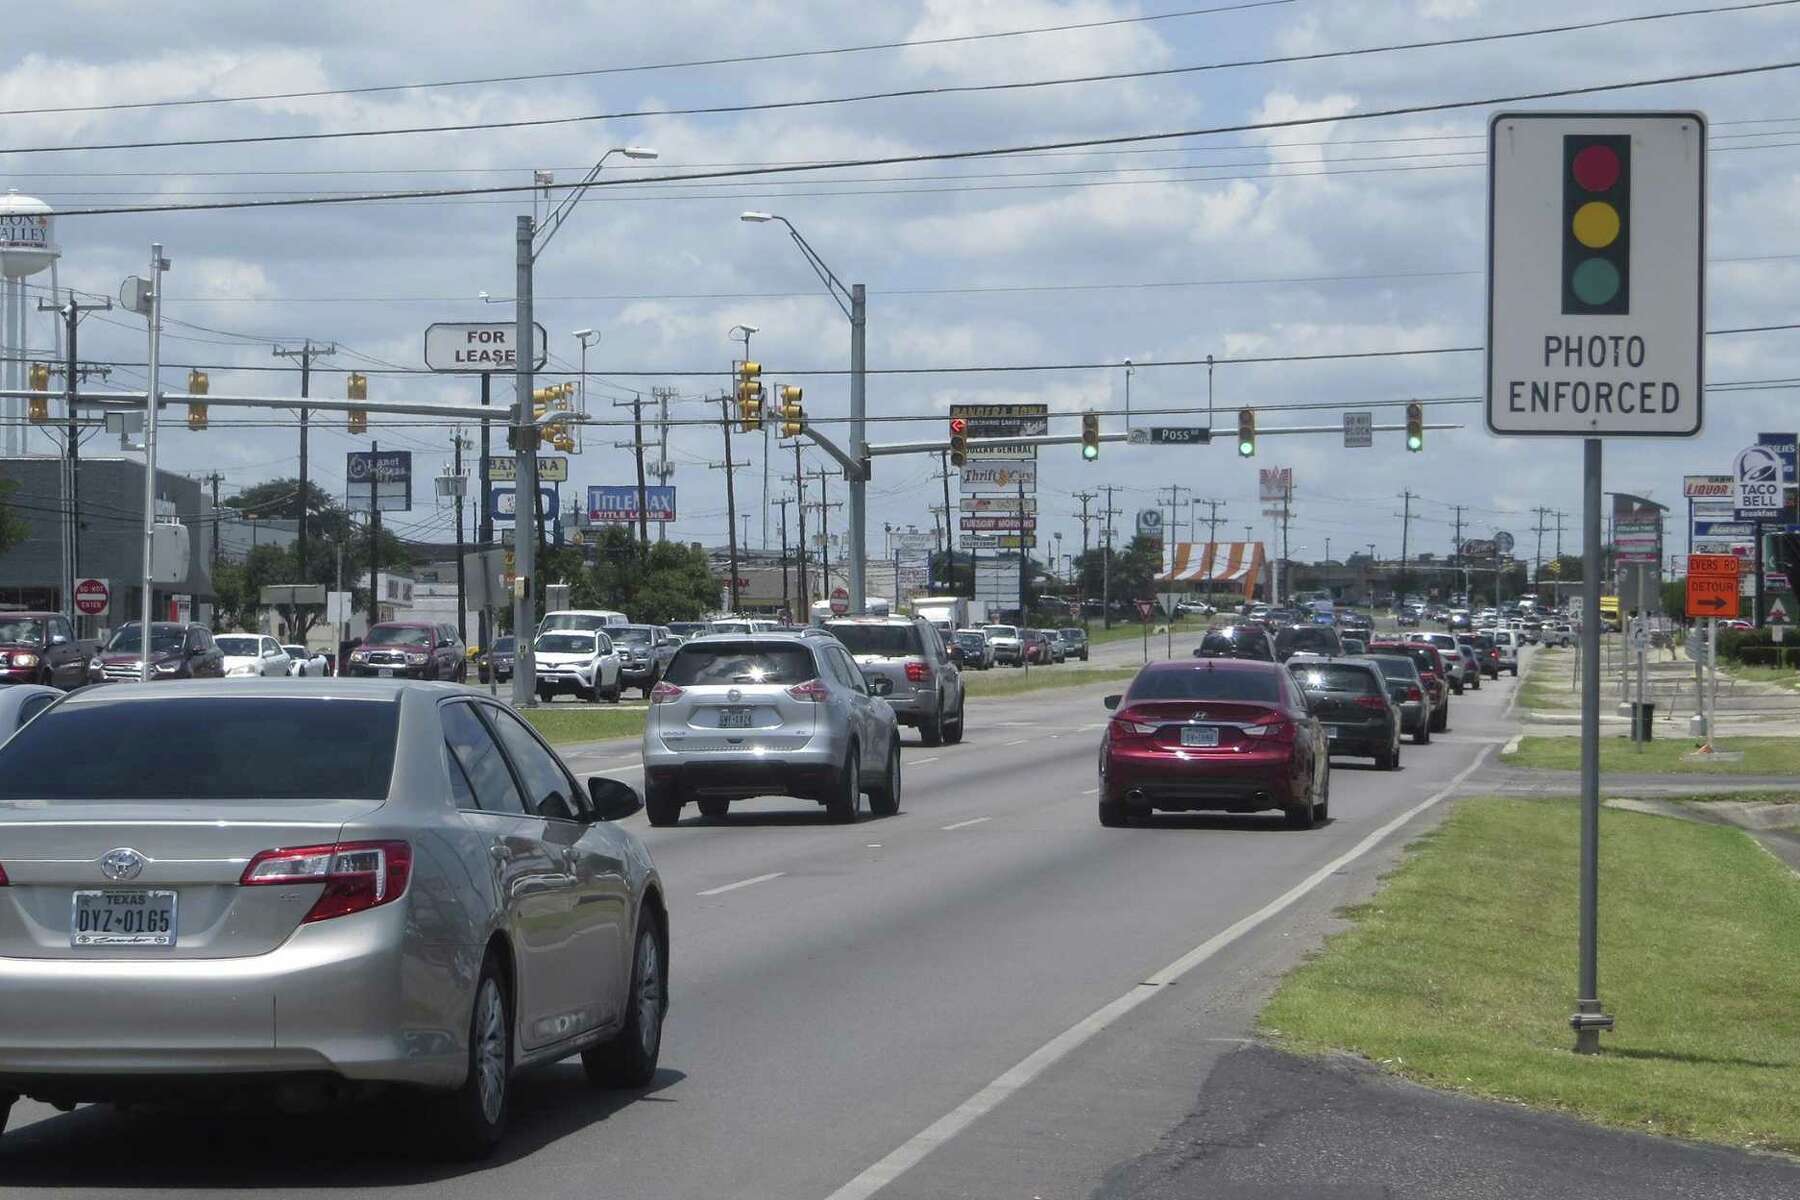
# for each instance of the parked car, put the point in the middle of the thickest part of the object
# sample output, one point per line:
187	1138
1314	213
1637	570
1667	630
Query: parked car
1036	647
1432	671
19	702
789	714
1455	672
1219	735
1559	633
1406	688
436	867
581	661
497	661
1009	647
41	647
409	650
1059	652
1075	640
306	663
253	656
1506	643
1350	698
1310	639
1248	641
971	649
177	651
644	653
926	688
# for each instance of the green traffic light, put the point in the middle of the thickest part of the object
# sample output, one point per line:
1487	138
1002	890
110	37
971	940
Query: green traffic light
1247	449
1415	442
1090	452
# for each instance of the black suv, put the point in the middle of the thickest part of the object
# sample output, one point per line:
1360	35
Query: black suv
1350	698
1307	639
1237	641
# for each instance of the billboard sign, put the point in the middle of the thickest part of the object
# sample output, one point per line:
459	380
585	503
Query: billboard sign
503	503
990	524
999	504
610	503
378	479
1757	480
1000	475
1275	484
1003	421
552	468
1706	487
476	348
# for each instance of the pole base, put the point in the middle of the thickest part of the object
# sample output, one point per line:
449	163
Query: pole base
1588	1025
1697	726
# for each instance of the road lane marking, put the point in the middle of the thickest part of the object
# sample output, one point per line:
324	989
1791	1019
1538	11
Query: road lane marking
1091	792
919	762
965	824
910	1153
1020	742
742	883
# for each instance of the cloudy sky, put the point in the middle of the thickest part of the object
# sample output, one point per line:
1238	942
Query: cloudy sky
1331	236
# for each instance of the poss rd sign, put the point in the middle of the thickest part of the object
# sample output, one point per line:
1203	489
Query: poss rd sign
1596	269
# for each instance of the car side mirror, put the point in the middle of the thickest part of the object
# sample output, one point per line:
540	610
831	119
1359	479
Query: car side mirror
57	639
879	685
613	801
1112	702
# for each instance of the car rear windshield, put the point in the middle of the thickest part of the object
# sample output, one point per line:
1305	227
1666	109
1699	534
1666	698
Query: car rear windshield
238	647
1306	638
398	635
572	621
637	635
1076	634
1002	631
1232	643
1336	677
1394	667
700	664
888	641
204	748
1199	683
971	639
566	643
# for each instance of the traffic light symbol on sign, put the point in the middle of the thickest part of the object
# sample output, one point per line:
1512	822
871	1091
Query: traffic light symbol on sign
1596	258
1247	432
959	441
1090	436
1415	427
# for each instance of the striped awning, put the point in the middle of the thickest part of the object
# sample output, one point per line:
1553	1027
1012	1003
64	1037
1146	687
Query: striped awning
1212	562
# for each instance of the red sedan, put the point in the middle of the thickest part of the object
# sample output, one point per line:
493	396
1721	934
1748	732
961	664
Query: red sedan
1213	735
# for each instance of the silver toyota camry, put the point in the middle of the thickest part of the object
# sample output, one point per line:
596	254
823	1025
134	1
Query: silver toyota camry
425	897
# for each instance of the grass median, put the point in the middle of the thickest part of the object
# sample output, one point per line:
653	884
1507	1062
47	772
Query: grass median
1762	756
584	723
1461	973
1008	681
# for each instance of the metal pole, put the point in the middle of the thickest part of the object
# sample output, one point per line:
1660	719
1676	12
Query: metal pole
462	583
153	401
1712	667
805	605
525	478
763	544
484	520
1589	1019
1643	653
858	413
949	533
305	417
374	543
730	499
637	440
74	468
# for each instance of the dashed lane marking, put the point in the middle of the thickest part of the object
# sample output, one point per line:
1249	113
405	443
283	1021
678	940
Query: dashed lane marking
742	883
965	824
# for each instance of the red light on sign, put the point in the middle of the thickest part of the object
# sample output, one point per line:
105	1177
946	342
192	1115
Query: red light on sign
958	425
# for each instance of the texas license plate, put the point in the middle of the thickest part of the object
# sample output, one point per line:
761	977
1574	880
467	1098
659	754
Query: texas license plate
734	718
384	672
1199	735
122	918
1331	731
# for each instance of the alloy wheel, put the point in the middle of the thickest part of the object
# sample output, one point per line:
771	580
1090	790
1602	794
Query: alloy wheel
649	994
490	1049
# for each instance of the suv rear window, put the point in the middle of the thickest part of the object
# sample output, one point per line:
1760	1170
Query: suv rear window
1234	643
1394	667
1199	683
1313	638
700	664
888	641
204	749
1336	677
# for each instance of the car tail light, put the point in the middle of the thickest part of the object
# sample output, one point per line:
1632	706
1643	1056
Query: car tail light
1375	702
1126	727
1273	728
917	672
664	692
2	876
1413	693
356	875
812	689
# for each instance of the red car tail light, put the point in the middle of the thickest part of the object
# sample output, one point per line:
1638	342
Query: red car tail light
356	875
663	692
1273	729
2	876
1375	702
1413	693
812	689
917	672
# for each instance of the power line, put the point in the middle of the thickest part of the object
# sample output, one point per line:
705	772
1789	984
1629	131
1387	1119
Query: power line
588	72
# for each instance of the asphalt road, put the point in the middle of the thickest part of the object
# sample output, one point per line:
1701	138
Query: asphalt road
839	991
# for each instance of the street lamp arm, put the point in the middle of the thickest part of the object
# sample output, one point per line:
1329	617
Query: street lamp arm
573	196
833	284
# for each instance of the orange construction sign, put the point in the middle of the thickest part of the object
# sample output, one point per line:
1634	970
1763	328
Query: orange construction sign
1712	585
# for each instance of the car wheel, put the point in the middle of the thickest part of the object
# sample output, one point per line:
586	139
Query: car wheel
628	1058
611	695
1440	720
474	1116
588	694
1456	689
1084	656
884	798
1299	818
1387	759
650	685
845	804
1514	670
1422	735
661	804
713	806
1114	814
545	695
953	730
932	730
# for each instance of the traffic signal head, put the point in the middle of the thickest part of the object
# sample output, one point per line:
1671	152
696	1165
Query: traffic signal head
793	411
1090	436
1596	258
1247	432
37	408
356	387
749	396
1415	427
197	386
959	441
40	377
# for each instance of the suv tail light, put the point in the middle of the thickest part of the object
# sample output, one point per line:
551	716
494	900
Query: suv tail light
917	672
813	689
1413	693
356	875
1375	702
663	692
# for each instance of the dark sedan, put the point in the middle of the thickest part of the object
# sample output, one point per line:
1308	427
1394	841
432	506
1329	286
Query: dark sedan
1432	672
1350	698
1408	692
497	663
1249	641
1218	735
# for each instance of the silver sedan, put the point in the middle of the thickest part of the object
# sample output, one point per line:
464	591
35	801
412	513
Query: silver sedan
428	899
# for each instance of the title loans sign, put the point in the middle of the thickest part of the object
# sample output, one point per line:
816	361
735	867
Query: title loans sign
1596	265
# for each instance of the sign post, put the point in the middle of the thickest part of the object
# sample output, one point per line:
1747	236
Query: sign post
1596	274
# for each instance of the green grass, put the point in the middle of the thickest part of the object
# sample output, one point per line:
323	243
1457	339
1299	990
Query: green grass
584	723
1762	756
1461	973
1133	631
1010	681
1784	676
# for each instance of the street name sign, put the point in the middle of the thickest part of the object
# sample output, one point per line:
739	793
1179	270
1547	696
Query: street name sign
1596	272
1712	585
1180	435
1359	430
457	347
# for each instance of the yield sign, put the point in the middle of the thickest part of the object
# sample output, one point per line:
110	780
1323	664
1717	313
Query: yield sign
1712	585
1145	608
1778	615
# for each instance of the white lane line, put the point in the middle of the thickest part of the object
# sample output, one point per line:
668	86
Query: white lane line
1091	792
965	824
910	1153
1020	742
919	762
742	883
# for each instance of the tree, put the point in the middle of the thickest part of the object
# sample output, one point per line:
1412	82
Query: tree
13	529
280	498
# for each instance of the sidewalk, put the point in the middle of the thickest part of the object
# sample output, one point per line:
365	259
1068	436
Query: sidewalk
1550	704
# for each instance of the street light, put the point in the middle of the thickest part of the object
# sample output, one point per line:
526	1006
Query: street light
586	337
852	301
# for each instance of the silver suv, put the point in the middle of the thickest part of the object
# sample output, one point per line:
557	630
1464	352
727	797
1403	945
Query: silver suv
756	714
926	687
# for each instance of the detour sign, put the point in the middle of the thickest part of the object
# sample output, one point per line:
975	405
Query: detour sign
1712	585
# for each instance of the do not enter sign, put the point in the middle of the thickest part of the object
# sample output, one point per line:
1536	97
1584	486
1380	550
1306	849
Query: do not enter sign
840	601
1712	585
92	597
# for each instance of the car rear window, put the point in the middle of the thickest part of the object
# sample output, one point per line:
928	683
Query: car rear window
700	664
1393	667
566	643
204	749
1336	677
1199	683
889	641
1306	638
1233	643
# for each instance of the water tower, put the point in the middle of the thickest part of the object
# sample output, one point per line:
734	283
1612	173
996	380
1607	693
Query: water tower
27	246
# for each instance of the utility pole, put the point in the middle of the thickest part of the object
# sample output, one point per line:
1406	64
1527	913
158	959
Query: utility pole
1559	521
74	375
1024	558
1456	554
215	479
457	441
1405	530
484	519
799	482
824	509
665	470
786	603
1287	511
1109	512
637	448
305	354
730	497
1174	502
1086	498
1537	560
949	530
375	550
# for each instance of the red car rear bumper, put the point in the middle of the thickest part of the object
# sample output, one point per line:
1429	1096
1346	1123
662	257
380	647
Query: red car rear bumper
1231	781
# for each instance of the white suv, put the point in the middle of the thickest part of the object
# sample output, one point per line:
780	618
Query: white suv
1507	642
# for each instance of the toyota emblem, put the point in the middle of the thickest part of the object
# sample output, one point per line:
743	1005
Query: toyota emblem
734	695
121	864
